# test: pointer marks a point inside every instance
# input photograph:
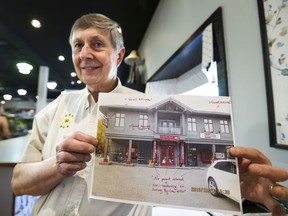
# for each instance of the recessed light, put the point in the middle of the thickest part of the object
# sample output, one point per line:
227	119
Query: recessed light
7	97
51	85
21	91
73	74
24	68
61	58
36	23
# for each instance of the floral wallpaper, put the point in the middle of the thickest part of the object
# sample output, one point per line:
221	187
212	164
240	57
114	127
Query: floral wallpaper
276	17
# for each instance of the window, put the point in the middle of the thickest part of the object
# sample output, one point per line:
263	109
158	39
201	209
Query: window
224	128
164	124
208	125
119	120
168	123
226	166
143	121
191	124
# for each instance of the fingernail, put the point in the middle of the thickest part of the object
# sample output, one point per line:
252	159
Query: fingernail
94	142
91	149
232	149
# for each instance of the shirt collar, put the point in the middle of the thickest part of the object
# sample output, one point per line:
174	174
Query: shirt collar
89	98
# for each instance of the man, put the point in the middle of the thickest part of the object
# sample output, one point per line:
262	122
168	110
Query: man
57	160
63	134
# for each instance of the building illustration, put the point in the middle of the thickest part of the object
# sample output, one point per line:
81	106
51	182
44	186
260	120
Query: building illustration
166	132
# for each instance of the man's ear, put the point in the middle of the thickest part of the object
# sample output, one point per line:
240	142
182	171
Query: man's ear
120	56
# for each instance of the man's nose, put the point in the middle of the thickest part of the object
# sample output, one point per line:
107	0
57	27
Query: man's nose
86	52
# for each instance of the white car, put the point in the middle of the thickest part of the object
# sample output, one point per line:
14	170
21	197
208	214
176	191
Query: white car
222	179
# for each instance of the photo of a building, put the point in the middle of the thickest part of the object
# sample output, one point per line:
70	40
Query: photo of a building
166	132
158	149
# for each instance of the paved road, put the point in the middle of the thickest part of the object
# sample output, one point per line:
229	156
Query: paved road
184	188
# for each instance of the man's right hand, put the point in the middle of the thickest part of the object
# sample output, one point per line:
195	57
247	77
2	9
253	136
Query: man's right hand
74	152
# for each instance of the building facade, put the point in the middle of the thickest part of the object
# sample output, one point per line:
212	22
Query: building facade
167	133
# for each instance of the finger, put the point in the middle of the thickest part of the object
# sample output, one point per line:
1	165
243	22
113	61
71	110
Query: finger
278	210
83	137
280	192
274	206
69	169
74	145
68	157
252	154
244	162
269	172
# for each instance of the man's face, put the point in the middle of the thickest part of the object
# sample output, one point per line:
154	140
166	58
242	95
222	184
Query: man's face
94	58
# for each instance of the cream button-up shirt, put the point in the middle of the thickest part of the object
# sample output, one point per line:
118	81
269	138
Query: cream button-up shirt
72	111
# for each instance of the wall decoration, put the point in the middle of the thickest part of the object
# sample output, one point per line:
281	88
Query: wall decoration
273	16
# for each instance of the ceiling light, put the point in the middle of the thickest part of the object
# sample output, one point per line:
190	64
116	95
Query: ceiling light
24	68
7	97
36	23
2	102
79	82
73	74
22	91
61	58
51	85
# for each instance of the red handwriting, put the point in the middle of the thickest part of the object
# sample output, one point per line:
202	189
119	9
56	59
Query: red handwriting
219	102
168	185
139	127
138	99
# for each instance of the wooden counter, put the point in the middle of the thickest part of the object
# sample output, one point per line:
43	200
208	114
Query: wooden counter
11	151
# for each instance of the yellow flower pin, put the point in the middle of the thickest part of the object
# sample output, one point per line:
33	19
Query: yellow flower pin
67	120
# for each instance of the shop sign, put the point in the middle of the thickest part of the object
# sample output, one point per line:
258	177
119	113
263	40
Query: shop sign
206	135
169	137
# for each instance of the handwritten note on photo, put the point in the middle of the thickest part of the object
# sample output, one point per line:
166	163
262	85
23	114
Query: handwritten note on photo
166	150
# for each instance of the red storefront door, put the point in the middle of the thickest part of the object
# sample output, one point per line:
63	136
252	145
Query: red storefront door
167	156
